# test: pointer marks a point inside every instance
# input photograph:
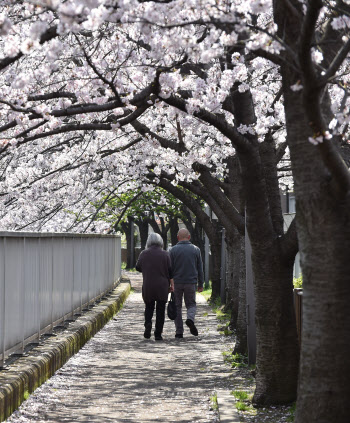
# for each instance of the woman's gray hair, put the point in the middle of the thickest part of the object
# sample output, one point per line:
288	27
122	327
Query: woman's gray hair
154	239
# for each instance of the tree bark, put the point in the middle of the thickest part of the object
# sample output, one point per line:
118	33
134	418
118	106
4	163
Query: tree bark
143	229
174	229
277	343
241	345
232	280
324	243
126	226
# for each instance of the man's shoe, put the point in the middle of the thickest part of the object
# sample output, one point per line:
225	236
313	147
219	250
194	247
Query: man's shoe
192	327
148	328
179	335
158	337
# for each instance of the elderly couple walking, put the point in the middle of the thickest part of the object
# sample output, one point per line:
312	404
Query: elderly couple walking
178	271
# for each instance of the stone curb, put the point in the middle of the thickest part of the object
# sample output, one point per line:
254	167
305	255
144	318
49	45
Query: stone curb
28	373
227	407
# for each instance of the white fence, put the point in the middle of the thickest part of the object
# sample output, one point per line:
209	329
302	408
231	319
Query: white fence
46	278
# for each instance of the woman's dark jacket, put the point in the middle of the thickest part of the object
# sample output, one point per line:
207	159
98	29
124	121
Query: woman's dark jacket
155	265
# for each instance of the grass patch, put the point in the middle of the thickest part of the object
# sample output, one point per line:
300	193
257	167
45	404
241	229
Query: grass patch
225	329
125	268
242	395
292	413
219	310
207	292
235	360
214	402
298	282
26	395
242	406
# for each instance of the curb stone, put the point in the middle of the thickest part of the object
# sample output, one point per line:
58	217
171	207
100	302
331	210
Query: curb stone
227	407
28	373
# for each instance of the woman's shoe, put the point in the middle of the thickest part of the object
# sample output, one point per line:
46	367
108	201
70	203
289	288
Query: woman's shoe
158	337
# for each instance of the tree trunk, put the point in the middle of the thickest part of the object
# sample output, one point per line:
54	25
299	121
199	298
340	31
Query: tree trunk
130	258
324	234
324	243
143	228
197	237
232	279
215	271
241	345
277	346
164	232
174	229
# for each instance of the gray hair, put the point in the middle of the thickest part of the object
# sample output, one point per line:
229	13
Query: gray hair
154	239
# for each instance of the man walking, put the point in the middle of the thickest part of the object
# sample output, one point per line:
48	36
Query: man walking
186	262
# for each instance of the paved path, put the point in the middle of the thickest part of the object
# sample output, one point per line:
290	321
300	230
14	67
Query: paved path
119	376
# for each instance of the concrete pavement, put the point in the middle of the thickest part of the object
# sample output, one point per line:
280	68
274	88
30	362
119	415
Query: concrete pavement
119	376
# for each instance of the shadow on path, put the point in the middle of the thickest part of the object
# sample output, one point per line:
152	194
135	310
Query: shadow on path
119	376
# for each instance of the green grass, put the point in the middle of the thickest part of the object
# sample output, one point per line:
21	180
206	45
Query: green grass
207	292
225	329
292	413
26	395
242	406
129	270
235	360
219	310
241	395
298	282
214	401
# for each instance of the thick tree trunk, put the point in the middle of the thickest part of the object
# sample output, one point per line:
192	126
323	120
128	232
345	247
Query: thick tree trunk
324	234
232	279
241	325
197	237
130	258
276	335
164	233
277	345
324	243
174	229
215	248
143	229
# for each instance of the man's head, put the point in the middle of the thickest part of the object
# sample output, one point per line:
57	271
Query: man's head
183	235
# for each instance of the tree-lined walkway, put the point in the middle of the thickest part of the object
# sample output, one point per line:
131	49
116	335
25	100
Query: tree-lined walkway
121	377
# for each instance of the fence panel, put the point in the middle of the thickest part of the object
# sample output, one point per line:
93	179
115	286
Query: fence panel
46	278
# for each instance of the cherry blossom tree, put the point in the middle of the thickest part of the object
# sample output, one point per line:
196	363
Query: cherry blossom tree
96	94
81	83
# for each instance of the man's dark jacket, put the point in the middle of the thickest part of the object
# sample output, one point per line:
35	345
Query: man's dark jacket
186	262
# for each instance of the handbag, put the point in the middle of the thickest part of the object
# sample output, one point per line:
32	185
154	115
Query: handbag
171	310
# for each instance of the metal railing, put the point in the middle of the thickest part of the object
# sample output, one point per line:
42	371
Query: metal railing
47	278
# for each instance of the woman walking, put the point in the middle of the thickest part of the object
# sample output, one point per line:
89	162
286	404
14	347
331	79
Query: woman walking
155	265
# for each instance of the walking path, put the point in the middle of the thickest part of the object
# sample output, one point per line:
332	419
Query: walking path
119	376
